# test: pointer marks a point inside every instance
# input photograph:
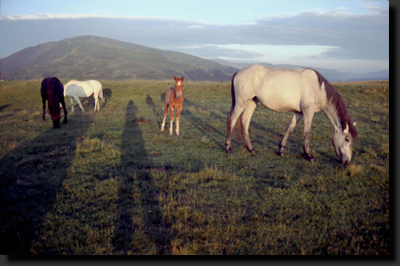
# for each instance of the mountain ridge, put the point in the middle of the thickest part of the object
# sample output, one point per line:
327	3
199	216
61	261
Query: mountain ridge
92	57
329	74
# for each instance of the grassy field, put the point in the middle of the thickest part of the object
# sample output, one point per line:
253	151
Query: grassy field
110	182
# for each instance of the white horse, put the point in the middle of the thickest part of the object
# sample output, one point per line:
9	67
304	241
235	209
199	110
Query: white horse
75	89
302	91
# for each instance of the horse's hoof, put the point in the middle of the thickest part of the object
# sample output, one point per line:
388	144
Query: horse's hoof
229	151
310	158
281	153
252	151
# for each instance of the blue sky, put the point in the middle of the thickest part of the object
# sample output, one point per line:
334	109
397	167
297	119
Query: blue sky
343	35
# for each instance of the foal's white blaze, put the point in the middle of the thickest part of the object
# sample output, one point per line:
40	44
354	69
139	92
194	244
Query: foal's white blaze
179	83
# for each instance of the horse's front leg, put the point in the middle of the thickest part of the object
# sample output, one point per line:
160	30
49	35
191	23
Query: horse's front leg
44	109
165	116
79	102
72	104
292	124
308	116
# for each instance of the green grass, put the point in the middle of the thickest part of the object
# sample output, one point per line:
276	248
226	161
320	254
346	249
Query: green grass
110	182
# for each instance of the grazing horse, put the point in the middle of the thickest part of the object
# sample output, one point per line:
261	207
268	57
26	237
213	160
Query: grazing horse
75	89
52	90
302	91
174	100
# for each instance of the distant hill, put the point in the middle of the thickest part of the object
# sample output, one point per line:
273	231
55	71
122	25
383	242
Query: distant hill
91	57
330	75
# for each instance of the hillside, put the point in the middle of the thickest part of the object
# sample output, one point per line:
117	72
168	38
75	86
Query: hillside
329	74
91	57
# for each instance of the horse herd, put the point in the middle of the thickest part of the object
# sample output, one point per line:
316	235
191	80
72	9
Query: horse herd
301	91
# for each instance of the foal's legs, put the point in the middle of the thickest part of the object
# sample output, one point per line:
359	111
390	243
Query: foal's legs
178	117
171	120
165	116
292	124
308	116
248	112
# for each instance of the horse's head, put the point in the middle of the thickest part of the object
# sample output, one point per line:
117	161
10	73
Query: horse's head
178	87
343	141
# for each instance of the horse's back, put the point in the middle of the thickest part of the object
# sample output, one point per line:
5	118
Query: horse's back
82	88
281	90
53	84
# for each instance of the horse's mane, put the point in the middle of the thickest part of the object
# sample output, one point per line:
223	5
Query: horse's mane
337	102
53	92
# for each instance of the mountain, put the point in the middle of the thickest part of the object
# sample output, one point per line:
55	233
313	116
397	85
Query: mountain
330	75
91	57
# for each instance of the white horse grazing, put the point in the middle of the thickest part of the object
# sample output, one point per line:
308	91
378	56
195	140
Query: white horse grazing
75	89
302	91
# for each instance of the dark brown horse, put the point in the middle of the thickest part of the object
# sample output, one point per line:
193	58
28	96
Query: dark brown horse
52	90
174	100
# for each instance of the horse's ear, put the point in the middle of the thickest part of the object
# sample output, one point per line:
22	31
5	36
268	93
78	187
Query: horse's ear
345	127
355	123
182	78
175	78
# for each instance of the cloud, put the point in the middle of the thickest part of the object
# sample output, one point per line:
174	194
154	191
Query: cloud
348	35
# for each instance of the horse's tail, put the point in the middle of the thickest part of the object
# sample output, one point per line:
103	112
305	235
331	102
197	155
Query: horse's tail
229	120
101	93
54	92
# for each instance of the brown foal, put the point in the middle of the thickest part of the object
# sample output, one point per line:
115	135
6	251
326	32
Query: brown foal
174	99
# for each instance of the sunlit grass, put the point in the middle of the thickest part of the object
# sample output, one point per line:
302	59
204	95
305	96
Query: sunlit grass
111	182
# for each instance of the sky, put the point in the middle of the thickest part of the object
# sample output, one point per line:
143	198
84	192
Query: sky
343	35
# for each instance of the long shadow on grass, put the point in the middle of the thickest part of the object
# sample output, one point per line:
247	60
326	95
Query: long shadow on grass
202	125
135	164
30	178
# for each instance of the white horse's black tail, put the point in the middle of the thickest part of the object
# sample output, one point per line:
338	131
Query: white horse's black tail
229	120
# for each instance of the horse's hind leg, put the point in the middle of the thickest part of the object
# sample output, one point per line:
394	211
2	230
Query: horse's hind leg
248	112
292	124
165	116
230	123
62	101
96	103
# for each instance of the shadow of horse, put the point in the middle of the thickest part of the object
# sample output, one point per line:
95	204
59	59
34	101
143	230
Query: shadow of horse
30	178
107	93
137	165
4	107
